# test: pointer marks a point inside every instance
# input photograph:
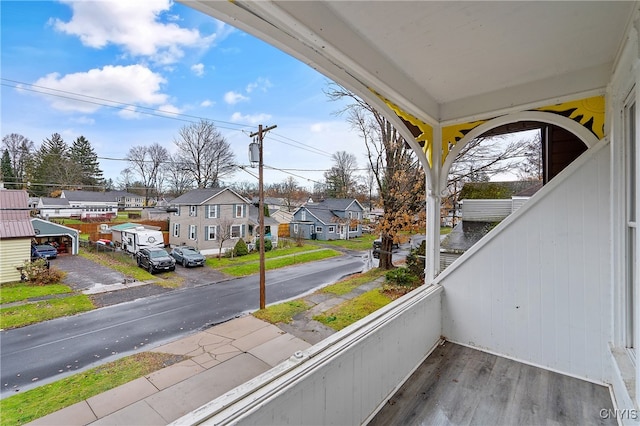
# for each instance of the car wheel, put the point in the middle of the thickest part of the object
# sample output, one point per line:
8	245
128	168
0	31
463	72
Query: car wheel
150	269
138	260
173	268
184	263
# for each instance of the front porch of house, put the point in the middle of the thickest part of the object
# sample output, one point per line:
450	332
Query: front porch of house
460	385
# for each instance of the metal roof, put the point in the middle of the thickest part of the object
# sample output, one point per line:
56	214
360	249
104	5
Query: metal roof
90	196
44	228
14	214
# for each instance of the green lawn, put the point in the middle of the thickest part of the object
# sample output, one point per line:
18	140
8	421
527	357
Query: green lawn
282	312
279	262
364	242
347	285
15	292
35	403
353	310
224	262
31	313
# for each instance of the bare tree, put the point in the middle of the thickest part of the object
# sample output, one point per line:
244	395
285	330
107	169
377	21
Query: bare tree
530	168
179	181
341	178
146	162
223	233
480	160
205	154
21	151
398	174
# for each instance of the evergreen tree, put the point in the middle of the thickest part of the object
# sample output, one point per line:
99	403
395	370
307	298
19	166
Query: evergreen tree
6	171
54	168
83	155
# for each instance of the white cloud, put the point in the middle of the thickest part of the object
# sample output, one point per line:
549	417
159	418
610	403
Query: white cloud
250	119
261	83
134	26
206	103
84	120
233	98
129	113
319	127
133	84
198	69
169	110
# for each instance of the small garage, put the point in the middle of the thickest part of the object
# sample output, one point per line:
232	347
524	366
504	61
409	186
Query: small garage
65	239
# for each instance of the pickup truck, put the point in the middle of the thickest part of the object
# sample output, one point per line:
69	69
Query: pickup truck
155	260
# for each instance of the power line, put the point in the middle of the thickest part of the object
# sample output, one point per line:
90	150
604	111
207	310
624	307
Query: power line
154	112
119	105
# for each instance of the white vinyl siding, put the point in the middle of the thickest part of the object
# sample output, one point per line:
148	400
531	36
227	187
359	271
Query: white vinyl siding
193	232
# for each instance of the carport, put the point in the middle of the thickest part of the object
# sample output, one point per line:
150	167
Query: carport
66	238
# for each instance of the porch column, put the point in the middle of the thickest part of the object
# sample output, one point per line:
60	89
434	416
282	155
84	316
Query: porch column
432	175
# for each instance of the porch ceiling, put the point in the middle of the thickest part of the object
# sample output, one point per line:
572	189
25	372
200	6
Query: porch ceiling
439	60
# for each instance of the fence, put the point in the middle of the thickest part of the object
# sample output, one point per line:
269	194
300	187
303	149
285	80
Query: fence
90	228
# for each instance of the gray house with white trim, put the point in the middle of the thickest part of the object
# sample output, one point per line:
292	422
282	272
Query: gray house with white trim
204	215
329	219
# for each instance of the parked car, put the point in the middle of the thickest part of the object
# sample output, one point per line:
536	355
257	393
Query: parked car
155	260
187	257
377	244
46	251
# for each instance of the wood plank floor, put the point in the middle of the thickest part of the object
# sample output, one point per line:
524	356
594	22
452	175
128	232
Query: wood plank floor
457	385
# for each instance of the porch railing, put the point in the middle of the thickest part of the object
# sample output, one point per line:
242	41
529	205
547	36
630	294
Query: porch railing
344	379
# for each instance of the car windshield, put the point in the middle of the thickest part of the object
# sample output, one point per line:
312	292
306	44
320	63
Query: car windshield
45	247
158	253
189	252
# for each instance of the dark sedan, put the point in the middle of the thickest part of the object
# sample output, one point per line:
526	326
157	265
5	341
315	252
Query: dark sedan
187	257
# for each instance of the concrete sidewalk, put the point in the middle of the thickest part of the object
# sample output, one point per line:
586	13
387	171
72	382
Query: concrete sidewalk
221	358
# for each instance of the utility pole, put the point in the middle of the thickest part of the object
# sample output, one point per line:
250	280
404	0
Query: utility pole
260	136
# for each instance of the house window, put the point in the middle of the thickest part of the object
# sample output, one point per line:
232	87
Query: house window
303	215
212	211
318	229
210	232
193	210
331	229
177	212
176	229
236	231
295	229
239	210
193	232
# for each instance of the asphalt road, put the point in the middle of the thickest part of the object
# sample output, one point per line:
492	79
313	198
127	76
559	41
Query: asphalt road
35	355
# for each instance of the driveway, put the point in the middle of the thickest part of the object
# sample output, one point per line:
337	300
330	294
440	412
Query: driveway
83	274
199	275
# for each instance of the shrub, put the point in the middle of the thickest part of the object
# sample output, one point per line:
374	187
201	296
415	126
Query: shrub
267	245
416	260
402	277
39	272
241	248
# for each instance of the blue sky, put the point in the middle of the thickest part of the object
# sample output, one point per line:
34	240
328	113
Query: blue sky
160	57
